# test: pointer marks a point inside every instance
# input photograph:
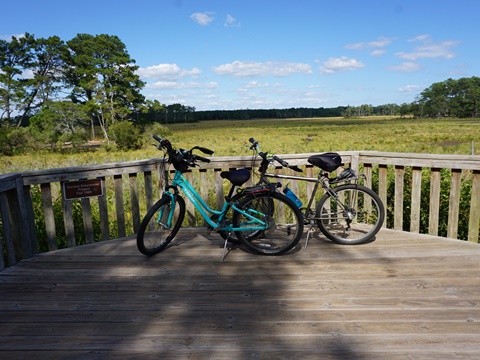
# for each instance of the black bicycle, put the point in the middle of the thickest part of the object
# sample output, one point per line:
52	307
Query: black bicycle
348	213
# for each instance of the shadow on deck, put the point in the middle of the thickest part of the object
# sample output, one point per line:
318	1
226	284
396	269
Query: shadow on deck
403	296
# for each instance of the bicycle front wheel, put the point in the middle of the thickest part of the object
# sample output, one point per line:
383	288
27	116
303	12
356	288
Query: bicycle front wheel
273	224
353	215
160	225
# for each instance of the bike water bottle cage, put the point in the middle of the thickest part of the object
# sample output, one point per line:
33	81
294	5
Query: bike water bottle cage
328	161
236	177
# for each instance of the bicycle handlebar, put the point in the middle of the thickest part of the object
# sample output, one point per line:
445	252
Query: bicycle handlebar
255	146
182	155
201	158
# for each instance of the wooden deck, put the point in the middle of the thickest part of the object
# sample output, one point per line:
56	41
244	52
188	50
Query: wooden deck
403	296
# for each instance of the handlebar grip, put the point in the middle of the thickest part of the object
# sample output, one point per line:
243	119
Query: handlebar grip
201	158
255	145
281	161
205	150
286	164
158	138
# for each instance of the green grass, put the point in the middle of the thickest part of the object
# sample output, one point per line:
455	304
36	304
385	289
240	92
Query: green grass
230	138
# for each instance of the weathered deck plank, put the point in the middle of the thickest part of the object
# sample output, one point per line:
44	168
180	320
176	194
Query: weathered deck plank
403	296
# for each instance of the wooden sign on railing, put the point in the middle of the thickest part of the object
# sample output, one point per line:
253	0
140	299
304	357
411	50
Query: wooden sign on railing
82	189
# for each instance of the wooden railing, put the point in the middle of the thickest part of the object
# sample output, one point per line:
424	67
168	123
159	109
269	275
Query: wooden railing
30	201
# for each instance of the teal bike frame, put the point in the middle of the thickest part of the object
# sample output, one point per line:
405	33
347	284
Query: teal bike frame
179	181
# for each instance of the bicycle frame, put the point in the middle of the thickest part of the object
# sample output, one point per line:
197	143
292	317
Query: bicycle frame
179	181
320	180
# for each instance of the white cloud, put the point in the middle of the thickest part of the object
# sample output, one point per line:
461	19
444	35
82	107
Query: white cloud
203	19
166	72
335	65
378	52
262	69
256	84
379	43
407	66
173	85
429	49
261	85
410	88
423	37
9	37
231	22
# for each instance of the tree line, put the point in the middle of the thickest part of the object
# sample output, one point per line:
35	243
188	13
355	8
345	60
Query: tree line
53	90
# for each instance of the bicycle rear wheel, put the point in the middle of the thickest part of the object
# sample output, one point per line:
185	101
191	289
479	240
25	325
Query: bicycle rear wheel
283	223
354	214
160	225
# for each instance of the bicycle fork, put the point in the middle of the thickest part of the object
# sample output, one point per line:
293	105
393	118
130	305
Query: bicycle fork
161	220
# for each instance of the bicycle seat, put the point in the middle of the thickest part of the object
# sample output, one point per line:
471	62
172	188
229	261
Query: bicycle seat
328	161
236	177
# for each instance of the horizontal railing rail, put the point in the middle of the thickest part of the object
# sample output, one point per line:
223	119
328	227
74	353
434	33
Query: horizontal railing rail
37	215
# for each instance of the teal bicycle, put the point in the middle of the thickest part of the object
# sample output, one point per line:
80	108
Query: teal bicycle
260	218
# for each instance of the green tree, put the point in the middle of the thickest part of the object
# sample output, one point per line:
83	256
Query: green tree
460	98
60	121
15	57
46	68
102	76
152	112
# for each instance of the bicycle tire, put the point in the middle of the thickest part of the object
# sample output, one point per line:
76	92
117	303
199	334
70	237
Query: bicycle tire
153	236
284	218
363	206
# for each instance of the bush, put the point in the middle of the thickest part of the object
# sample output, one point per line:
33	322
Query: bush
156	129
126	136
16	141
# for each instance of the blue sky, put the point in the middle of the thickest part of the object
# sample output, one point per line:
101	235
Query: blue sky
238	54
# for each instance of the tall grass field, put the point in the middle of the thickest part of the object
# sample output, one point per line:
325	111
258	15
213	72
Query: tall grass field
281	136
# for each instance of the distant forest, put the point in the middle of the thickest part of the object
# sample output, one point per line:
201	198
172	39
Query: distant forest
268	113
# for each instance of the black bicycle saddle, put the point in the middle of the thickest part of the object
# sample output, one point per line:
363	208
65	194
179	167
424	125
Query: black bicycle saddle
328	161
236	177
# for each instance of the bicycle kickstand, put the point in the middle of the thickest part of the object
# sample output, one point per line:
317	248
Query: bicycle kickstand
309	231
224	249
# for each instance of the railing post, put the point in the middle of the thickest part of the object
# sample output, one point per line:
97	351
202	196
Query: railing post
354	162
382	187
399	178
434	201
416	199
135	206
49	216
119	207
26	220
68	222
454	203
474	222
9	232
219	188
87	220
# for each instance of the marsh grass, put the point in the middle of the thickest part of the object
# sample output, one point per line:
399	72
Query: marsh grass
282	136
